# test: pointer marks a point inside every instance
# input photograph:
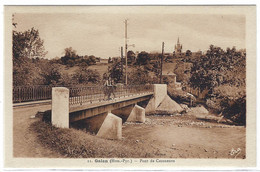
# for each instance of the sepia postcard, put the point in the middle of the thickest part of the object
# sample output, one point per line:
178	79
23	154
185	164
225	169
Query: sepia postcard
136	87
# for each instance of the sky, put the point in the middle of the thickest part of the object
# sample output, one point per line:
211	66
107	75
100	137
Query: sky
102	33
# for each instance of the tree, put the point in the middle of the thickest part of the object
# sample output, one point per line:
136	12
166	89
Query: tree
70	58
139	76
92	60
86	76
69	52
218	67
182	71
28	44
116	72
223	74
188	53
143	58
52	75
130	57
27	50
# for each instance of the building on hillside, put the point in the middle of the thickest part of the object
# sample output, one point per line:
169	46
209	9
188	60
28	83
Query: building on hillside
171	78
116	59
103	60
98	59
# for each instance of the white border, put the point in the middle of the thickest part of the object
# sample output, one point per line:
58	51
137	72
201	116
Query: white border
133	2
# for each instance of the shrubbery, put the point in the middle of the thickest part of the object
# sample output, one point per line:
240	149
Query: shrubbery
30	68
223	73
231	101
139	76
180	96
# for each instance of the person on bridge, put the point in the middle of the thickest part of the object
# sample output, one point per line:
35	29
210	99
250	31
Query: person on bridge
109	88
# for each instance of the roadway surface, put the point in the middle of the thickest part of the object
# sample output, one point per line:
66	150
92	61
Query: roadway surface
25	141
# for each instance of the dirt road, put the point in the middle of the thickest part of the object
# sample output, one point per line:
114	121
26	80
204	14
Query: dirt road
25	143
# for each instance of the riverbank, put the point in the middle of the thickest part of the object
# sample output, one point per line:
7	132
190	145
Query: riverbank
181	136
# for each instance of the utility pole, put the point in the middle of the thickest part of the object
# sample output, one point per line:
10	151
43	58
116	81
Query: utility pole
162	62
122	57
126	52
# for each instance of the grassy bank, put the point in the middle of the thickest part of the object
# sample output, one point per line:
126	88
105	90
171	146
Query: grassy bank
78	144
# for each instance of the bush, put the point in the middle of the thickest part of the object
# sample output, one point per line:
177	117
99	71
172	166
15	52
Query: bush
231	101
139	76
86	76
180	96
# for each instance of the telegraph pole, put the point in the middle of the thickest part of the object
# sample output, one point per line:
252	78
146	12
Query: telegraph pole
126	52
162	62
122	57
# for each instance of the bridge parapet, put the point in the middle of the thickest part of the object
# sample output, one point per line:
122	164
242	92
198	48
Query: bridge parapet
78	95
81	95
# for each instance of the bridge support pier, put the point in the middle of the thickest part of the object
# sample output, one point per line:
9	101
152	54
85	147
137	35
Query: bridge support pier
105	125
137	114
160	92
162	102
60	107
132	113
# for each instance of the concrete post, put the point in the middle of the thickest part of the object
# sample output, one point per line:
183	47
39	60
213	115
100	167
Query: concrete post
60	107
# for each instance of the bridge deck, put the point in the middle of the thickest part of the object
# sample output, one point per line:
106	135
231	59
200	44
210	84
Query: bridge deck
75	108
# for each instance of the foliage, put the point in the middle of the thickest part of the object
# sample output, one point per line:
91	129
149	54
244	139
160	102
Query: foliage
116	71
143	58
179	95
86	76
53	76
130	57
139	76
182	71
71	58
22	72
27	48
218	67
29	67
28	44
224	74
188	53
231	101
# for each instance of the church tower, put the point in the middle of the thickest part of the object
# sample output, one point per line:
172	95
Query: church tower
178	48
